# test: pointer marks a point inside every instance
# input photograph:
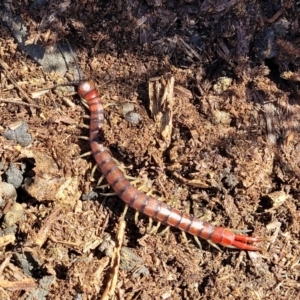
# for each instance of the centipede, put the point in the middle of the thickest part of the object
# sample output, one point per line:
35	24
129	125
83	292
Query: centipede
145	204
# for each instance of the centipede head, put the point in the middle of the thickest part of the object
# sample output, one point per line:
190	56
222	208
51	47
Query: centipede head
84	87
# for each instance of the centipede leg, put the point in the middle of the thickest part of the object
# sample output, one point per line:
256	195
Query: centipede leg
149	227
198	242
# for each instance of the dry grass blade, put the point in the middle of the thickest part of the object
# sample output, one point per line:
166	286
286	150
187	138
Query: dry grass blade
24	284
42	235
115	261
19	102
161	96
7	73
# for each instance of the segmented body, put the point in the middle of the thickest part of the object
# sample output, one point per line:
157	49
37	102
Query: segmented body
146	204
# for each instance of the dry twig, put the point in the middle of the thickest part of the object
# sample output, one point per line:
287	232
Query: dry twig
9	76
18	102
115	261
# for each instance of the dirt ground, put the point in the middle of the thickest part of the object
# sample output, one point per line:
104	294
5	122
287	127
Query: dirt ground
228	155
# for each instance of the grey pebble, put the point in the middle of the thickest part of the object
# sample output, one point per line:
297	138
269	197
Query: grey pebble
19	135
133	117
14	175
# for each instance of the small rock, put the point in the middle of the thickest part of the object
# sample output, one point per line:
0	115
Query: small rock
133	117
89	196
222	85
14	174
14	215
7	192
277	198
19	134
222	117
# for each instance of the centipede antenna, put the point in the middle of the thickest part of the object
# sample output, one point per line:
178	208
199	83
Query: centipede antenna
72	83
63	54
75	60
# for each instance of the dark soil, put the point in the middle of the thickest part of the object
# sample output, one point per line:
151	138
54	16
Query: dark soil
232	158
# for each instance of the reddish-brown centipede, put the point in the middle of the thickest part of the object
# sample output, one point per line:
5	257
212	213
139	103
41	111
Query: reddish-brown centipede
146	204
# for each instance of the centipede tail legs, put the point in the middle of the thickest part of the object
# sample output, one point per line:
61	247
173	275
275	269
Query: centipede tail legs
146	204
